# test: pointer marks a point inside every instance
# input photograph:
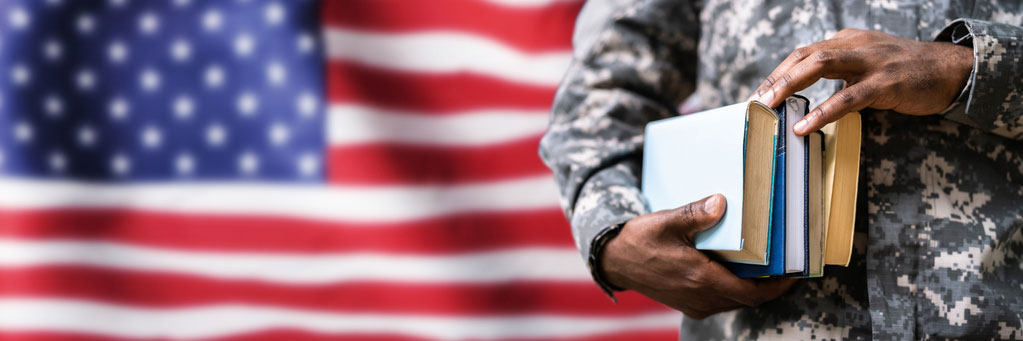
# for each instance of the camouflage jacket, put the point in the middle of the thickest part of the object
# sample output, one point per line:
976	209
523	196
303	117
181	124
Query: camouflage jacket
938	237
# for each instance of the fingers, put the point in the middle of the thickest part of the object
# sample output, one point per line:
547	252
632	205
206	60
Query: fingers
726	284
749	292
699	314
771	288
696	216
826	63
852	98
794	58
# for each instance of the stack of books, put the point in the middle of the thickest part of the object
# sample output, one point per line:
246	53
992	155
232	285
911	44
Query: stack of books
791	200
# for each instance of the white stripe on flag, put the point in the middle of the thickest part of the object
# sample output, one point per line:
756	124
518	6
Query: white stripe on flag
353	204
355	124
213	321
447	51
549	264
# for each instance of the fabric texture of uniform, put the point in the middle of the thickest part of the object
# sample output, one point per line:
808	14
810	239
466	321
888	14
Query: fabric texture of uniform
938	236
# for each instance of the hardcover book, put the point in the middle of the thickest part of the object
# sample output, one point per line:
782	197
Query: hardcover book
841	177
776	256
804	205
729	150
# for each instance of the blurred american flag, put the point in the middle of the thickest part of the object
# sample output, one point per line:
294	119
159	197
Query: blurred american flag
285	170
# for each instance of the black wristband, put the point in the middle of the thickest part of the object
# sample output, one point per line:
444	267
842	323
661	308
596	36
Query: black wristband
596	248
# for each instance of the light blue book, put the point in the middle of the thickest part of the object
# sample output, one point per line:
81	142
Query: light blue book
729	150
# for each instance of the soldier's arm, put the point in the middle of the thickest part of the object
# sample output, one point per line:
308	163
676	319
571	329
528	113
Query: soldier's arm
634	62
993	97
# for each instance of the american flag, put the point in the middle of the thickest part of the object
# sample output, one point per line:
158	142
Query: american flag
289	170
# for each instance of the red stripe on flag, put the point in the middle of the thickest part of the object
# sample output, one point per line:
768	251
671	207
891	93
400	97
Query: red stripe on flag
532	29
441	235
280	334
277	335
385	164
350	82
290	334
171	290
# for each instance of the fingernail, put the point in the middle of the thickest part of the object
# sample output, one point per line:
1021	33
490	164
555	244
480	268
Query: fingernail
712	205
768	97
800	126
754	97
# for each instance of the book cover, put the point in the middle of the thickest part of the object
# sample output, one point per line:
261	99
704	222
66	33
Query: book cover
665	189
729	150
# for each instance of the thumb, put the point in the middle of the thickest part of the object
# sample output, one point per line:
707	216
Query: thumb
696	216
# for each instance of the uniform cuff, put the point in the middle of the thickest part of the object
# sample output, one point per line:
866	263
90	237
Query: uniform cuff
986	102
606	201
958	34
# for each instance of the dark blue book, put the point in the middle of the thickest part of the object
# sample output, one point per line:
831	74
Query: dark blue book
776	256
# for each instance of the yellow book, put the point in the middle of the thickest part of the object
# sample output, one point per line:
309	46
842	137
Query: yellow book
841	177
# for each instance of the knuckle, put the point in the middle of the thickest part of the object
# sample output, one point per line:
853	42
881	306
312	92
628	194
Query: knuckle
696	277
786	80
769	81
823	57
843	98
688	285
801	53
817	115
688	214
700	274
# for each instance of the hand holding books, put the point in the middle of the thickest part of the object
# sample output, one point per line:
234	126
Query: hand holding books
654	255
745	227
785	190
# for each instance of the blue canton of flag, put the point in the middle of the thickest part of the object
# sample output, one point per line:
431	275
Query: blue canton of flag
190	90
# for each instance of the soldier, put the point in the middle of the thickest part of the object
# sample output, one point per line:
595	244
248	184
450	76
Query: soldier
938	238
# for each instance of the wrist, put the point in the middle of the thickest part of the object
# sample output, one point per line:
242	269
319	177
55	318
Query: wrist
957	65
597	247
609	260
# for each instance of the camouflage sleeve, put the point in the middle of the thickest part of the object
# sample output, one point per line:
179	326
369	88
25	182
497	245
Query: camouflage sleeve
634	62
993	97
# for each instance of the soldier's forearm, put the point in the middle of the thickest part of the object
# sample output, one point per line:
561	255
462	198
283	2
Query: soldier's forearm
993	97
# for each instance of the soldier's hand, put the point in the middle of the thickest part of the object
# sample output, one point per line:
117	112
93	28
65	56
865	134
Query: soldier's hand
881	71
654	255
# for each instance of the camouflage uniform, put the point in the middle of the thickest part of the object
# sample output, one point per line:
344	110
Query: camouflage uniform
938	236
